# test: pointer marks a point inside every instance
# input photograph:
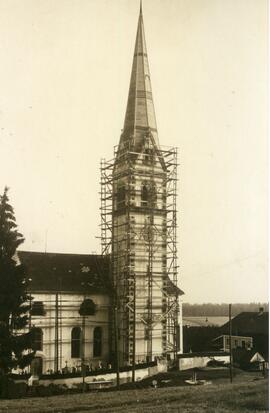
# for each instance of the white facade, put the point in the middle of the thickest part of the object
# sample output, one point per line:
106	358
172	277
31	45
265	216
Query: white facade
237	342
67	317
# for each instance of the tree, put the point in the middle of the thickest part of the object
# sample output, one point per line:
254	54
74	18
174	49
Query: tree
14	307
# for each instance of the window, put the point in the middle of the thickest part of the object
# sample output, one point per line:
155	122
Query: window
76	339
146	333
144	194
243	344
121	193
149	194
97	350
37	339
88	307
37	308
149	156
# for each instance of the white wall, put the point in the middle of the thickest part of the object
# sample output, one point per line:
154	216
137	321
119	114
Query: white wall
69	317
200	361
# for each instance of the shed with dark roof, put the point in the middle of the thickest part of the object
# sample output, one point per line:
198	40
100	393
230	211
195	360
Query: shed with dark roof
252	324
248	323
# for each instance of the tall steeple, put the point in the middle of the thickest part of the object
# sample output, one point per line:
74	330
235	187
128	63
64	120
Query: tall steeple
142	224
140	113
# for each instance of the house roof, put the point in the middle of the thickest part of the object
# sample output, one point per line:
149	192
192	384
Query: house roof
72	273
248	323
233	337
66	272
257	357
202	354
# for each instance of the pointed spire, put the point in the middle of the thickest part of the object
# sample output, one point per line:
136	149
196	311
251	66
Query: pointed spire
140	113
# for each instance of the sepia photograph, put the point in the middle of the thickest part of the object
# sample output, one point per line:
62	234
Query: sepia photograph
134	206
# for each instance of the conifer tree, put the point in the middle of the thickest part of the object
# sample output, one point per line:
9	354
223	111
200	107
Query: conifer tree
14	307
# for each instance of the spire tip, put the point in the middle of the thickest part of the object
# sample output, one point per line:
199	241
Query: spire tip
140	6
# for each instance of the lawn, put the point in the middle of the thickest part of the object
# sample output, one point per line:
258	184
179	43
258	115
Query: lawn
248	393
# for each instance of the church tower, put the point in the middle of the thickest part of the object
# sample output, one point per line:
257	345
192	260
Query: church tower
138	192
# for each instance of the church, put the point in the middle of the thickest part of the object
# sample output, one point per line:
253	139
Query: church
122	306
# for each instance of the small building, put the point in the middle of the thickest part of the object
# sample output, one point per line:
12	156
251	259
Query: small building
223	342
251	324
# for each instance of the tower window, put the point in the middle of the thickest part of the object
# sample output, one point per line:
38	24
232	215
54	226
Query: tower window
149	194
149	156
97	350
76	341
144	194
121	193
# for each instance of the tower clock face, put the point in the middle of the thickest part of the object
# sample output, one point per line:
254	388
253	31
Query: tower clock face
149	231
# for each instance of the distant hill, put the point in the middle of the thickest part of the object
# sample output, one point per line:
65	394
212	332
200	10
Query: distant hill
210	309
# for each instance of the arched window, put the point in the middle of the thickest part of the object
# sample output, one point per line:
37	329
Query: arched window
76	339
149	194
97	349
37	339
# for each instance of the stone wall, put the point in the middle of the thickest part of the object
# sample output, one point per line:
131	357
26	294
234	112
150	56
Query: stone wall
190	362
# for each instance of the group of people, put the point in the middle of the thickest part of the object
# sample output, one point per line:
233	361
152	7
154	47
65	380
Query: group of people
78	368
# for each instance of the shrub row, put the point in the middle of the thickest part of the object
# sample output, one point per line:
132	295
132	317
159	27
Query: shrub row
12	390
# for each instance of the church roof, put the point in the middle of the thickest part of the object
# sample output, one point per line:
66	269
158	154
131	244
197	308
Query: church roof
172	288
66	272
140	113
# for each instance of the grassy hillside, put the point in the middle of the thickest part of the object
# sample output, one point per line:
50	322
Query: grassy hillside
247	394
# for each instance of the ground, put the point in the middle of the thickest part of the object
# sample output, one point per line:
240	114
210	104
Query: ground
247	393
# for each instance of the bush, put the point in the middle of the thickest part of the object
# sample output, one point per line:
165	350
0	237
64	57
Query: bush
43	391
21	389
55	389
32	391
12	390
3	387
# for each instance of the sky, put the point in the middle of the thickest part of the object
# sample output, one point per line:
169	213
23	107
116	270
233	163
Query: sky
64	78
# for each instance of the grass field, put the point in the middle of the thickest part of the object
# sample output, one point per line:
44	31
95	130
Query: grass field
248	393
